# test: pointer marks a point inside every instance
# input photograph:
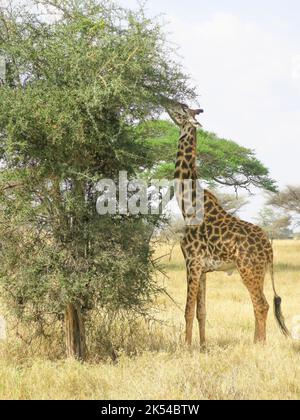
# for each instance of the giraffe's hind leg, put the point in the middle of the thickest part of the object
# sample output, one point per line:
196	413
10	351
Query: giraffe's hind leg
193	278
254	281
201	309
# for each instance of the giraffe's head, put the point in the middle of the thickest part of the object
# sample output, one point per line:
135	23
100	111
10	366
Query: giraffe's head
182	115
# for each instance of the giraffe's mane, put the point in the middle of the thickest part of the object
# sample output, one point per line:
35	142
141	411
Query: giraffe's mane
211	196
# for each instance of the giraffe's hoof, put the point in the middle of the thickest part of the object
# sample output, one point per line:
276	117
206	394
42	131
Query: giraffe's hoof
260	342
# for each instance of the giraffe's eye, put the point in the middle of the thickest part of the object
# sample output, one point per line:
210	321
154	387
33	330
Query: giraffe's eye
185	108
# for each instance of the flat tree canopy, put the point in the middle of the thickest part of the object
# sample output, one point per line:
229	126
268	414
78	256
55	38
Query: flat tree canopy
220	161
277	225
288	200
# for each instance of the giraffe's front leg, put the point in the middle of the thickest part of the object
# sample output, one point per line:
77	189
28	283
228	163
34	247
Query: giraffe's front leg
192	293
201	309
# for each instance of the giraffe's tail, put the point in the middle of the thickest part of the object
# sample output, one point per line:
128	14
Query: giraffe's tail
277	307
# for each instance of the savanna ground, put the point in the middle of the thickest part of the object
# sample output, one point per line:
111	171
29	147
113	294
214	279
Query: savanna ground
153	362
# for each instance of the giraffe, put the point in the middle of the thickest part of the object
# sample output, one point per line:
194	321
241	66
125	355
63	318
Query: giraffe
215	240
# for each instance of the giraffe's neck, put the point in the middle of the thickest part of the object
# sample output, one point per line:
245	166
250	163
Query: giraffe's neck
186	156
186	183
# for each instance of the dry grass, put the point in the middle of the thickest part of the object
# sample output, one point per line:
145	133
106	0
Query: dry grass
156	365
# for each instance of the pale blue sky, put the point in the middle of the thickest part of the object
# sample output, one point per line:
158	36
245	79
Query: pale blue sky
245	60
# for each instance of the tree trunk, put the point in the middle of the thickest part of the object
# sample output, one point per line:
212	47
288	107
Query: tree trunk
75	333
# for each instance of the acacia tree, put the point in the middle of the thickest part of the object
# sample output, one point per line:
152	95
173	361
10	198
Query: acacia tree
287	200
76	86
277	225
220	162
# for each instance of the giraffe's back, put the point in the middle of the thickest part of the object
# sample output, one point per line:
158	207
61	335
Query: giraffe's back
223	240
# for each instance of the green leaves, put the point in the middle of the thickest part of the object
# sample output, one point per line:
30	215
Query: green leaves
220	161
76	89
